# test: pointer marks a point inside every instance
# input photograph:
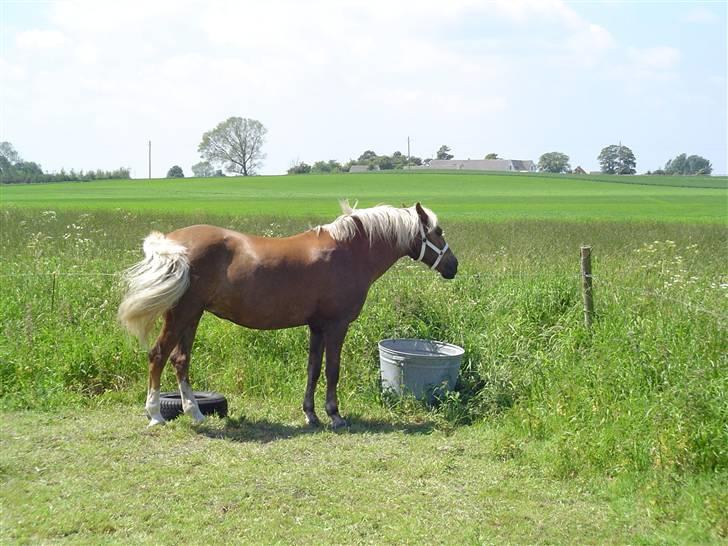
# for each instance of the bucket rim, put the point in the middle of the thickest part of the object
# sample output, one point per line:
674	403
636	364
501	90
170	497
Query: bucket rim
458	351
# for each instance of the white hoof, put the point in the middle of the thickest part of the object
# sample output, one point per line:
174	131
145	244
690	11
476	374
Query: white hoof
196	415
156	420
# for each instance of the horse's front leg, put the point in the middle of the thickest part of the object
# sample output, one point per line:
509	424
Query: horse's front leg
315	355
334	338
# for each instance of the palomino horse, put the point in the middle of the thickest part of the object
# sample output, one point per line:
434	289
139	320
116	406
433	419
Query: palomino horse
319	278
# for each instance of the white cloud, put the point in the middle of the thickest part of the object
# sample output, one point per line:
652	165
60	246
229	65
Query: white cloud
655	58
321	75
40	39
701	15
11	72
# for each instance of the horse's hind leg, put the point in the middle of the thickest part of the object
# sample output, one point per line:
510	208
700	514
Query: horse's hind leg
180	359
176	320
158	355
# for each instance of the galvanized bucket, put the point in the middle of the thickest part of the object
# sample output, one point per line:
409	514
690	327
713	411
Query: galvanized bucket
419	367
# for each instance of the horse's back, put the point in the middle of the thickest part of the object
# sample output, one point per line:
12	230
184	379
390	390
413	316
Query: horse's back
263	282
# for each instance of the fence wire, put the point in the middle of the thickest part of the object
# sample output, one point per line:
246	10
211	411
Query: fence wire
599	281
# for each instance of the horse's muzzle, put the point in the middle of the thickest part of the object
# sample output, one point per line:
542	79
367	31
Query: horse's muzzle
449	270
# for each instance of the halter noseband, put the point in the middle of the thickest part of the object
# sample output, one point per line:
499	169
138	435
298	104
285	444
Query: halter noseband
425	243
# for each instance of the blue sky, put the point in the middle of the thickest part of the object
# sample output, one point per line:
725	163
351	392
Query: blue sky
86	84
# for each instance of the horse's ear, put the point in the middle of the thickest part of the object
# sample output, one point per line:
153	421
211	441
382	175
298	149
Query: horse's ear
421	213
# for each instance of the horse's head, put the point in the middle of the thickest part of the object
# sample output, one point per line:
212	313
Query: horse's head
431	249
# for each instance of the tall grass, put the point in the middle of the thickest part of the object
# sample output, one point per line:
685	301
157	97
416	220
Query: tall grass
644	389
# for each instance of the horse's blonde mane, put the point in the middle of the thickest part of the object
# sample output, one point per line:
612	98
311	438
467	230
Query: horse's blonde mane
383	222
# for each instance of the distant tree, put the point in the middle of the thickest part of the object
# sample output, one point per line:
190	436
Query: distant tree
5	168
442	153
330	166
617	159
299	168
321	167
8	152
554	162
175	172
236	143
384	162
492	156
367	156
688	165
203	169
28	169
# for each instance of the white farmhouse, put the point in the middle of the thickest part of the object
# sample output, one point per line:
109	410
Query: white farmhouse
502	165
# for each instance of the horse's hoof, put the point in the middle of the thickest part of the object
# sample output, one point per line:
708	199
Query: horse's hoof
312	420
196	416
338	423
156	421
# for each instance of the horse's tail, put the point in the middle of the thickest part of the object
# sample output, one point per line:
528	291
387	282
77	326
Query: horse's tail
153	285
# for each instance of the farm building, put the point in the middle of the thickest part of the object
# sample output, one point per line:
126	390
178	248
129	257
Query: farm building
506	165
363	168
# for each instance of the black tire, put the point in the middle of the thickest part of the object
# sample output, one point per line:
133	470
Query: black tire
209	402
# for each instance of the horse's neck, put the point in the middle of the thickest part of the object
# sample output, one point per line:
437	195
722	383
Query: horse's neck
379	257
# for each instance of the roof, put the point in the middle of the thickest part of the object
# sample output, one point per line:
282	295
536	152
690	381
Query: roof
483	164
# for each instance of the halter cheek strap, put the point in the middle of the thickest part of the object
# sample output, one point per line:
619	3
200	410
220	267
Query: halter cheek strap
425	243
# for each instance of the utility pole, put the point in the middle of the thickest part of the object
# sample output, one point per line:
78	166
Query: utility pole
150	160
408	150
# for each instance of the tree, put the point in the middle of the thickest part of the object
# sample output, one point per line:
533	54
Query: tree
236	143
492	156
299	168
554	162
384	162
203	169
8	152
617	159
175	172
442	153
367	156
685	165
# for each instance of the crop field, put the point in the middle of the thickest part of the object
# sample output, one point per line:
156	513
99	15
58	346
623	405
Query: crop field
555	433
465	196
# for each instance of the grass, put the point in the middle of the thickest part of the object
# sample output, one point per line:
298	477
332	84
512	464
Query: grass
97	476
555	434
455	195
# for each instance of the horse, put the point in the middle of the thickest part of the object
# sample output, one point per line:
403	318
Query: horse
319	278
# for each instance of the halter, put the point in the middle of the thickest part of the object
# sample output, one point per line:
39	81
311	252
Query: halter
425	243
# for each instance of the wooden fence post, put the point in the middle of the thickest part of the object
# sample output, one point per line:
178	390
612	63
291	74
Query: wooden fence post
53	292
586	285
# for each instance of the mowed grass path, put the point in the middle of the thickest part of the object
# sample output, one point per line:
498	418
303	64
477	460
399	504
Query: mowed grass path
453	195
101	477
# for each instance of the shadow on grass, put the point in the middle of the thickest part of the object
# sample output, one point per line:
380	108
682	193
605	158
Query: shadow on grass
241	429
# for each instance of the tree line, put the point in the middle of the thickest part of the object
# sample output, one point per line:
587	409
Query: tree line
14	170
236	146
613	159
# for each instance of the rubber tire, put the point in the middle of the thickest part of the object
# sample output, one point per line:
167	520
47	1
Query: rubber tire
210	403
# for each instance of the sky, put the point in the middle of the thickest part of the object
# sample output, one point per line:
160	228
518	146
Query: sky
87	84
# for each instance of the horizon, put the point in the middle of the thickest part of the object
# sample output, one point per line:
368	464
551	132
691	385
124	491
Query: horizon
86	85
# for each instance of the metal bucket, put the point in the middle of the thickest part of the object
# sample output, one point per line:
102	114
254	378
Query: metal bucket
419	367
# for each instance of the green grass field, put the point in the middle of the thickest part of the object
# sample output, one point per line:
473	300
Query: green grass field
454	195
555	434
